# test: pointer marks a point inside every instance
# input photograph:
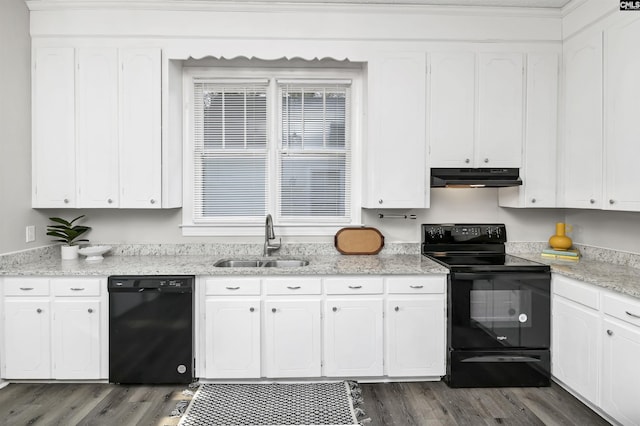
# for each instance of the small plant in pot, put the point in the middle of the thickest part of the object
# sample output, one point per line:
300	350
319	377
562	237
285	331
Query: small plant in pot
68	233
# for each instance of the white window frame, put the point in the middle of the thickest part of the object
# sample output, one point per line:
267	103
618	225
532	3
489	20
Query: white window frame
255	227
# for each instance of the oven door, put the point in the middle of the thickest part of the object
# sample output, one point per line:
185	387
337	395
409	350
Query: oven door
491	310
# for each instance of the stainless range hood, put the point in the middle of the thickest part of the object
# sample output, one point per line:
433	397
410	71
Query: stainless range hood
475	178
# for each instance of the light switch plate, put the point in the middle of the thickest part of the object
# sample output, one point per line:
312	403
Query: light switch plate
30	233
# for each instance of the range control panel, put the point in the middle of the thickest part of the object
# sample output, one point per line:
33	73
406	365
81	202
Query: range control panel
462	233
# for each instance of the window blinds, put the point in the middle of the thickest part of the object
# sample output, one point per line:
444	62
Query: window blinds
230	149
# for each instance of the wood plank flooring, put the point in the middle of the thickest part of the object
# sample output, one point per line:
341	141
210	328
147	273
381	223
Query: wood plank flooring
387	404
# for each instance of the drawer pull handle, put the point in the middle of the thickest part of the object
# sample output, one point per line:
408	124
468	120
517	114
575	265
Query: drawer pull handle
631	314
355	287
293	287
26	288
416	286
232	288
610	333
77	288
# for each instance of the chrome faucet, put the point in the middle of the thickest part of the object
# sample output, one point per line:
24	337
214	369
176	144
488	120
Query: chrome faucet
269	234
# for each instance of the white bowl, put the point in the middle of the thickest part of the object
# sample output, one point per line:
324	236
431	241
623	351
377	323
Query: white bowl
94	253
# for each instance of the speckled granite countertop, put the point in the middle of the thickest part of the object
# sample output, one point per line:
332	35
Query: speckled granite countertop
617	277
384	264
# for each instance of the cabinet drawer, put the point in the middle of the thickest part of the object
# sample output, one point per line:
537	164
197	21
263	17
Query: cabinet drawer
26	286
416	284
291	285
575	291
623	308
233	286
355	285
76	286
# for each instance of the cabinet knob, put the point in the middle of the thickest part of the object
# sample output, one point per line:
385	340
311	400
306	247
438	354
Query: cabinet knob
467	160
610	333
273	310
533	200
592	201
380	201
611	201
90	310
251	309
397	308
39	310
66	201
334	309
109	200
486	160
152	201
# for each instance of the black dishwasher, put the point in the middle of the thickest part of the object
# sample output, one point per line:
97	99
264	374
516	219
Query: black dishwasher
151	329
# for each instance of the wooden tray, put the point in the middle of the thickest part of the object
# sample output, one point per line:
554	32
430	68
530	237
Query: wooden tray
361	240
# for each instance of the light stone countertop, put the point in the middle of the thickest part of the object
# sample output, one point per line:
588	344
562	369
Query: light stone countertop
382	264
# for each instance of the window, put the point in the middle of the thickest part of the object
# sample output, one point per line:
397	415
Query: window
269	141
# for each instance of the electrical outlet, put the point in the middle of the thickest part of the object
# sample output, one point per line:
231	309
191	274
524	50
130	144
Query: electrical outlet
31	233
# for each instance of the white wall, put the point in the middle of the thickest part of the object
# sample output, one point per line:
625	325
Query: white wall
613	230
15	125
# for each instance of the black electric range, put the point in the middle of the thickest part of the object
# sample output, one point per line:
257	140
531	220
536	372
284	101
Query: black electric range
498	307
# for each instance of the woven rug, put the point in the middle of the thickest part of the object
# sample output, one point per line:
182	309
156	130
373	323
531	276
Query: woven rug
274	404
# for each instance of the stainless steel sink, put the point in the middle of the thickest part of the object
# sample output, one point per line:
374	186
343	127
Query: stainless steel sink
276	263
238	264
285	263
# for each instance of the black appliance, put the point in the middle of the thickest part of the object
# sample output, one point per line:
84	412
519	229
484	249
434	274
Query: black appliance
498	308
151	329
475	178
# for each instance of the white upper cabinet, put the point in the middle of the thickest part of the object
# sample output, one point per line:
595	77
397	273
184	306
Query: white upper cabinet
500	110
581	159
452	108
475	109
140	139
539	155
396	158
97	128
53	109
97	125
622	103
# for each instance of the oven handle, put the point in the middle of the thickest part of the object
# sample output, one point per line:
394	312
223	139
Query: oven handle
501	358
492	274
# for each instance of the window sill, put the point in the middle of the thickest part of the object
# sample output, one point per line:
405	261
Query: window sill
258	230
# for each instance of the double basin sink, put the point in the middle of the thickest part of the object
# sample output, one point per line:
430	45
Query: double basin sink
275	263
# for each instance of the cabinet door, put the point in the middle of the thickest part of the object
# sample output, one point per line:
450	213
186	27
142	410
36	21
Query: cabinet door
353	337
397	163
452	85
581	162
539	157
292	338
232	338
500	110
575	354
53	109
416	343
622	103
140	139
77	338
621	372
27	339
97	127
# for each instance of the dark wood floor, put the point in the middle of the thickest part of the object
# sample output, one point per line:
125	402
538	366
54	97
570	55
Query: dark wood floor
400	404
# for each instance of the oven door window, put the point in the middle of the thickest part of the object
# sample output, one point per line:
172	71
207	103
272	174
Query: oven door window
493	310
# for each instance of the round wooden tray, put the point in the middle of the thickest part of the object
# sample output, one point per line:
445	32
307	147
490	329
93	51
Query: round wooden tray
362	240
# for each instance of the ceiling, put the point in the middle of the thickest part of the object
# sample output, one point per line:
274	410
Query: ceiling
554	4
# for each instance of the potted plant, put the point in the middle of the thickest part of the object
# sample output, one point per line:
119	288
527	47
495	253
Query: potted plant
68	233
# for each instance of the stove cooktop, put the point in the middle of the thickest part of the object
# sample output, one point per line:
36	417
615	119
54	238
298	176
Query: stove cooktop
485	262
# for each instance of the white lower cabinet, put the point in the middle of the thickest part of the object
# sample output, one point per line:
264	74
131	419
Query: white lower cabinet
27	331
353	337
54	328
292	337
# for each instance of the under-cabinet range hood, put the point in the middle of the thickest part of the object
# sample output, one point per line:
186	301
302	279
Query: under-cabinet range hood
475	178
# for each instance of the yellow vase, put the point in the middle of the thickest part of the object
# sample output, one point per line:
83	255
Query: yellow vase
560	241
